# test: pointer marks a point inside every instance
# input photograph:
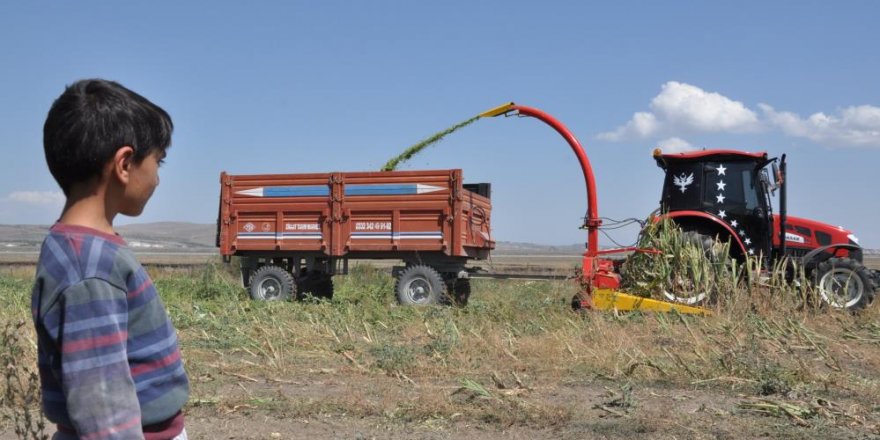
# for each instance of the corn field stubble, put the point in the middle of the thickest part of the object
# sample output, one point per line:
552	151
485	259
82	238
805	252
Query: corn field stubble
516	359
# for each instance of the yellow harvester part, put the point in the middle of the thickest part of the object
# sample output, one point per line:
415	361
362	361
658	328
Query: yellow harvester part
500	110
607	299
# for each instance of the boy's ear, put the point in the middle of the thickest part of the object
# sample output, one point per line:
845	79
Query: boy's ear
122	162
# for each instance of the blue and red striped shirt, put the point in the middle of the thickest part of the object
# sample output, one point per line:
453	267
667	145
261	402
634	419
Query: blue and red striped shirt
109	362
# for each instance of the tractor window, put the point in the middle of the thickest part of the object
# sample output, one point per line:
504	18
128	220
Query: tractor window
735	191
750	190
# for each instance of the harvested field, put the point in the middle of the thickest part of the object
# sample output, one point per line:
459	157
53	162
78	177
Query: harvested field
514	363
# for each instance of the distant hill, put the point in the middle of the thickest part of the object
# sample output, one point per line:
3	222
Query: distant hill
21	235
162	236
170	235
195	237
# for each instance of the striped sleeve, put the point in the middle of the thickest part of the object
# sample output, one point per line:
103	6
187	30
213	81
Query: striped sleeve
98	388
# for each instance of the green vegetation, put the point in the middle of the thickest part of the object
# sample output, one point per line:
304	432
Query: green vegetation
516	356
685	267
392	164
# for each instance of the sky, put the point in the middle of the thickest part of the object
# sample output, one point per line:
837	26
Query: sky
294	87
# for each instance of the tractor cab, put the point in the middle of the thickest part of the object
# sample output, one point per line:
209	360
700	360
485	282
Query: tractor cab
726	195
721	193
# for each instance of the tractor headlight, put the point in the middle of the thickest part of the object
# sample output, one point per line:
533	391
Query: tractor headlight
853	238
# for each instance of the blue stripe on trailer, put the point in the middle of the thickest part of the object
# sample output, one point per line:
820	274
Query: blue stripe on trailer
400	235
256	236
382	190
296	191
350	190
300	235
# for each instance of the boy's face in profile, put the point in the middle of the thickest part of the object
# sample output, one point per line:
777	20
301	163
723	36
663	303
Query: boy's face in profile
142	181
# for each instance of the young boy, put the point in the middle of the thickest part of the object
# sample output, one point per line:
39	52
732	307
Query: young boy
109	363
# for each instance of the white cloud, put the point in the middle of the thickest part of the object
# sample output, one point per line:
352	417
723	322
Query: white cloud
675	145
642	125
39	198
683	107
690	107
853	126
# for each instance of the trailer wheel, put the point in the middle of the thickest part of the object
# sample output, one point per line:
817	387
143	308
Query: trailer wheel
272	283
844	283
420	285
460	289
324	288
316	284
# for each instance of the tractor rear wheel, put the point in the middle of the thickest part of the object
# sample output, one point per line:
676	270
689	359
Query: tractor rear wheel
420	285
272	283
844	283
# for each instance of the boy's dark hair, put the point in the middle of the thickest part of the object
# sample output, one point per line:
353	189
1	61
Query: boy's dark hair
93	119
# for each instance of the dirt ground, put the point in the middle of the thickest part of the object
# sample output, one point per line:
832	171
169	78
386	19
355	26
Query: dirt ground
348	405
596	412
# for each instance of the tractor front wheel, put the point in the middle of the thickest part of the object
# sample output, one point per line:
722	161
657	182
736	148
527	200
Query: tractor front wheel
844	283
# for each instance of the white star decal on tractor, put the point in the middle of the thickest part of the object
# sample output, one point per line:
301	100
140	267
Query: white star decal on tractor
751	251
742	233
721	185
748	241
721	170
734	223
722	214
720	198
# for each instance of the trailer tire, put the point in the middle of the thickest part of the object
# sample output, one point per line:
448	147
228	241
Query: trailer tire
316	284
420	285
272	283
836	274
324	289
459	290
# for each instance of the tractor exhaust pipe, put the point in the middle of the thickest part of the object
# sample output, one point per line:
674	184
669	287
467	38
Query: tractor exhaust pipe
783	208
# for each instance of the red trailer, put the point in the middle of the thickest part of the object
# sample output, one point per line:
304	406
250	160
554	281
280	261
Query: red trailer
293	232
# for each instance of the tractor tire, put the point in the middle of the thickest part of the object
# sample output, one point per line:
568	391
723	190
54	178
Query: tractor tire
459	290
679	287
844	283
420	285
316	284
272	283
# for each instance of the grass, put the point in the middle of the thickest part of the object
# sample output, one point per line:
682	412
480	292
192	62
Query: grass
516	356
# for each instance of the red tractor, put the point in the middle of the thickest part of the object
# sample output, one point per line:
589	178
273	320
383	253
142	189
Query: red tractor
726	195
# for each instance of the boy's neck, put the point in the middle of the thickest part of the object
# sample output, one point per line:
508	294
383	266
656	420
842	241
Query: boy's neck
88	208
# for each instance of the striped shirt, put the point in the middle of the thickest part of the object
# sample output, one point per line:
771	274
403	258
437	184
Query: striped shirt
108	356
